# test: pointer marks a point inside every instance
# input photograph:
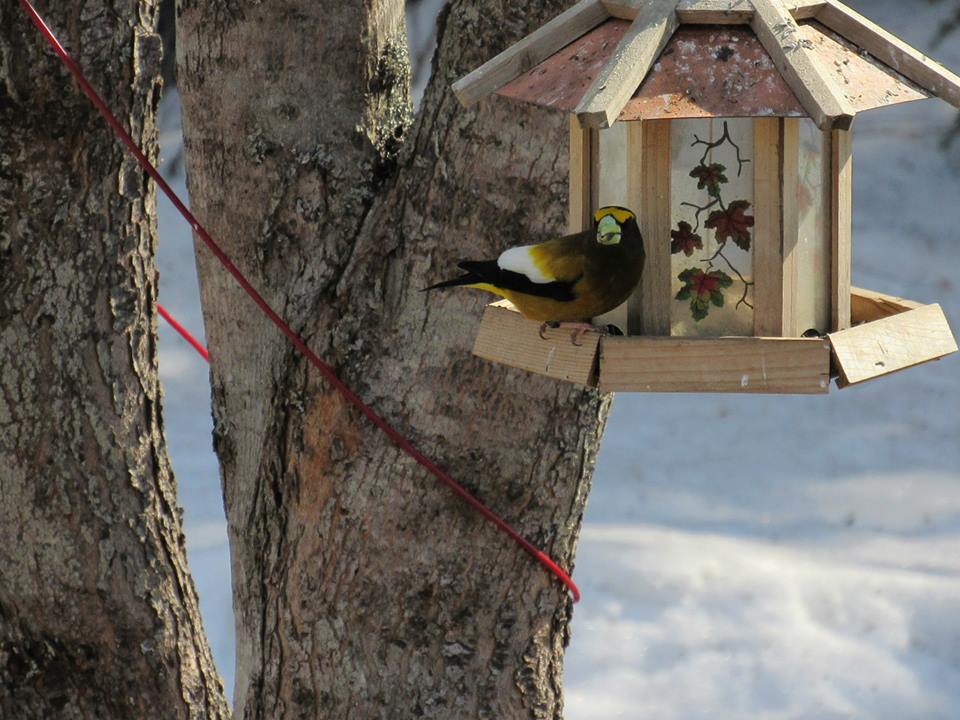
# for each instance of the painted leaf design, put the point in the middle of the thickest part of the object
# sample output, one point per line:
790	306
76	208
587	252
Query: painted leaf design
732	224
684	240
703	289
709	177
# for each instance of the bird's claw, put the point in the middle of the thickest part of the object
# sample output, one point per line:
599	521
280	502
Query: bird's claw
544	327
579	330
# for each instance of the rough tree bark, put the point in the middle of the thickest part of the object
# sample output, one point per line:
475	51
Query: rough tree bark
363	589
98	615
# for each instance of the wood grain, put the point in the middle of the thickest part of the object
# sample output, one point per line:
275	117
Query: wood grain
734	365
908	61
655	224
582	162
892	343
767	229
782	38
635	195
506	337
633	57
790	227
715	12
841	227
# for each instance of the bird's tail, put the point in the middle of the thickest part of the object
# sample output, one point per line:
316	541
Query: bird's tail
470	278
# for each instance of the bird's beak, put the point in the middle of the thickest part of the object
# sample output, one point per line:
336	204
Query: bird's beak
611	238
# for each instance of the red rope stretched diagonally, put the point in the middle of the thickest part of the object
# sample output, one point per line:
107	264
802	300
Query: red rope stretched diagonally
184	333
398	439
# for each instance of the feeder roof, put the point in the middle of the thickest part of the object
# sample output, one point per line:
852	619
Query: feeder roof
644	59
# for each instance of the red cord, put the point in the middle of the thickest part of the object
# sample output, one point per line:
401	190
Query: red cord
399	440
184	333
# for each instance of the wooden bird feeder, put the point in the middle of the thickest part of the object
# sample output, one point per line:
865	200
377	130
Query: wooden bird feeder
725	125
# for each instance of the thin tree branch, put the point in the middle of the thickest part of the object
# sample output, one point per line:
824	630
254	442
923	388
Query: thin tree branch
725	137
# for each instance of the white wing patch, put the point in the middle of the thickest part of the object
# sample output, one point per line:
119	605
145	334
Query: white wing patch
520	260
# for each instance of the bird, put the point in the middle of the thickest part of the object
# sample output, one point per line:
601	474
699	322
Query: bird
566	281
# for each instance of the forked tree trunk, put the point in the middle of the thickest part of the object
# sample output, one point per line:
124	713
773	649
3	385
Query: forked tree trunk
98	615
362	588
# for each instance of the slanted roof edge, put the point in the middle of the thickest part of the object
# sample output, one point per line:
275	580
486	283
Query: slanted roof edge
602	110
888	48
629	64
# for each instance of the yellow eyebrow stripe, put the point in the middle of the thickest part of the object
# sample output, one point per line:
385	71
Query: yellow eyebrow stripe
620	215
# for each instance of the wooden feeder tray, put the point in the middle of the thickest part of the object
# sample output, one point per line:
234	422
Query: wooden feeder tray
889	334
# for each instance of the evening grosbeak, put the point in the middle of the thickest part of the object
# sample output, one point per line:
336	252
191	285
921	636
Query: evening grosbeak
567	281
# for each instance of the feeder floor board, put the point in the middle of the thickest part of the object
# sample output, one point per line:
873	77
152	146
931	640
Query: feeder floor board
891	343
508	338
890	334
727	364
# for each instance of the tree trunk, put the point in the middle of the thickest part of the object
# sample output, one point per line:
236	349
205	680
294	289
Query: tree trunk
362	588
98	615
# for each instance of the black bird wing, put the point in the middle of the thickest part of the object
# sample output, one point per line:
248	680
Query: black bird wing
549	270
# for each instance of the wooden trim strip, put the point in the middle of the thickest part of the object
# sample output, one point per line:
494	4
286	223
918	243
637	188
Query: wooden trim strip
635	196
655	225
780	35
886	47
791	223
629	64
715	12
531	50
582	162
734	365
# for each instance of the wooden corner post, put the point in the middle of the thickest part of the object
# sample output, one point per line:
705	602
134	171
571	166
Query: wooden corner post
841	211
655	225
768	230
584	151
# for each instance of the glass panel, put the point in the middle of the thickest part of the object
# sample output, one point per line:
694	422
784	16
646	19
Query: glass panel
812	288
612	190
711	196
613	166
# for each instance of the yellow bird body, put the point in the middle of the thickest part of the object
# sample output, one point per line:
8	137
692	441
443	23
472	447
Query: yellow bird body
569	279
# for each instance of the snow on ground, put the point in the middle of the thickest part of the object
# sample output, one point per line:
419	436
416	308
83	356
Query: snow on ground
742	557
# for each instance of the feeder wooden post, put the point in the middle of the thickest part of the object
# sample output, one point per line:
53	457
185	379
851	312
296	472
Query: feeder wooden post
768	230
582	161
841	227
655	224
635	194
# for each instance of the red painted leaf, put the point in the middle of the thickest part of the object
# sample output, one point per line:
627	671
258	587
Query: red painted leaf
684	240
732	223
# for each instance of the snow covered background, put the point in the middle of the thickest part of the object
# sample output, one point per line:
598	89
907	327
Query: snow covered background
742	557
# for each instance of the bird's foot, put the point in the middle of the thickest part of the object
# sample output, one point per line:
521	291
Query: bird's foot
544	326
579	330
